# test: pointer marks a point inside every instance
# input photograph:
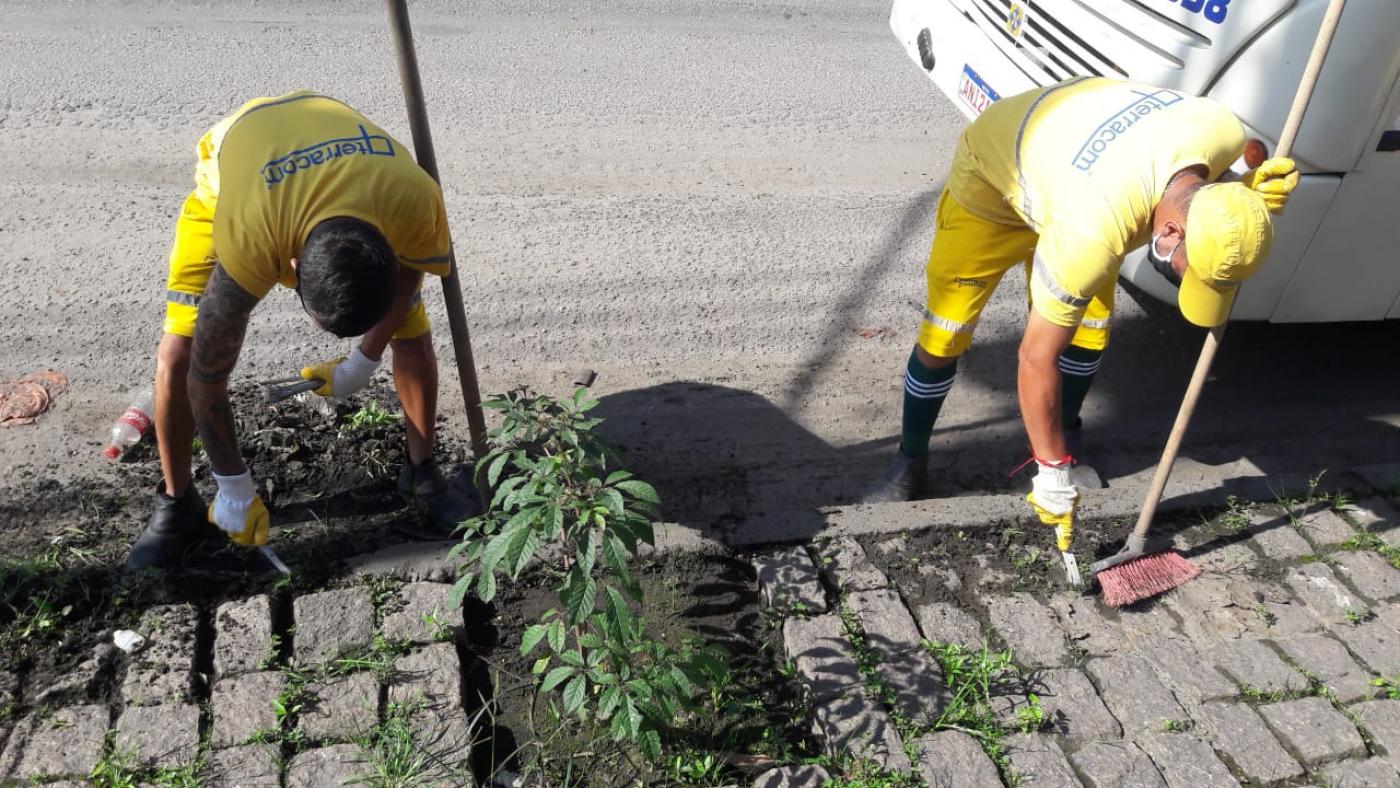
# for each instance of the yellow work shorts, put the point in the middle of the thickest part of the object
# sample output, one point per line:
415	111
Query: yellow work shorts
192	254
968	259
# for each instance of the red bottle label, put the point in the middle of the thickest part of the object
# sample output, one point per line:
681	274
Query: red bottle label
137	419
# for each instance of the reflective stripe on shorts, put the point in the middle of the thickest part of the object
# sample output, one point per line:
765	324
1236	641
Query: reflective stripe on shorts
946	324
1090	322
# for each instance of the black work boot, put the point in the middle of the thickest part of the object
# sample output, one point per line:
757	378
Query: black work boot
1084	475
425	485
176	525
902	481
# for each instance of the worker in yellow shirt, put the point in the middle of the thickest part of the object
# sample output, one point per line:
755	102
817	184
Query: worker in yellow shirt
303	191
1068	178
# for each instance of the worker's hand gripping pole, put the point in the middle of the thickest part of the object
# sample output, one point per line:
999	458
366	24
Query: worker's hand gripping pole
1137	541
451	286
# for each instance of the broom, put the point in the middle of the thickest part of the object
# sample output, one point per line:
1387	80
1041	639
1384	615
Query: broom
1129	575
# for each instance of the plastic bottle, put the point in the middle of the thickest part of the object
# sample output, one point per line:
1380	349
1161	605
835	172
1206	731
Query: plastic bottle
131	425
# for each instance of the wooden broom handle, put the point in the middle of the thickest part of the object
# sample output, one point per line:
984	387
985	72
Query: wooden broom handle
1217	334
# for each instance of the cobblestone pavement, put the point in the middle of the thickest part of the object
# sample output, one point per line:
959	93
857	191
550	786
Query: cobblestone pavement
1240	677
204	693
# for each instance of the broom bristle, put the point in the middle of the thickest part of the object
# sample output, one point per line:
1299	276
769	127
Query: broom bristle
1145	577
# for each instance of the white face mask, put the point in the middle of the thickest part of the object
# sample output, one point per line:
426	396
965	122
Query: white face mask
1162	264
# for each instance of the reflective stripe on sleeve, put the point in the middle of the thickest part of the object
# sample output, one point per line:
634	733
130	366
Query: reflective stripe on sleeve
1042	272
946	324
177	297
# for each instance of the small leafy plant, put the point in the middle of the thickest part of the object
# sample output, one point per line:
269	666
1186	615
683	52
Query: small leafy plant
560	498
369	415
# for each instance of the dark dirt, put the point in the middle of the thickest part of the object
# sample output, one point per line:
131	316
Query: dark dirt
712	597
329	488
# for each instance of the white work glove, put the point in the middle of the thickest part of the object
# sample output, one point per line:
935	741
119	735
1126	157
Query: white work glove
343	376
1053	496
238	511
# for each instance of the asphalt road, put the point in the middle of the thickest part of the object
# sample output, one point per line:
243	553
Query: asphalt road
703	200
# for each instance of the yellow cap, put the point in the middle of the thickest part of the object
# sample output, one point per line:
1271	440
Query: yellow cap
1228	235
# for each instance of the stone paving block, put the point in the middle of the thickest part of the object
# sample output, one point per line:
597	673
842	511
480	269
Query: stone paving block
1099	632
1376	515
1186	761
1241	735
242	705
163	671
1275	535
1375	643
1381	719
941	622
1382	476
1216	607
1314	730
422	615
338	765
889	628
1328	660
920	693
1072	706
1368	573
1325	527
243	636
1322	592
1370	773
332	624
793	777
823	655
431	675
1133	693
66	743
953	759
1251	663
1215	553
789	581
160	736
1038	762
1192	679
1116	764
844	563
1030	629
344	707
249	766
854	725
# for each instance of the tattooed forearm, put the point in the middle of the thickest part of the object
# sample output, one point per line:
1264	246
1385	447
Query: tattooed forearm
218	333
218	338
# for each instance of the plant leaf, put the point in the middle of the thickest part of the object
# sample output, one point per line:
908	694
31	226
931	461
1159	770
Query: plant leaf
540	665
556	635
486	588
493	470
588	551
574	693
458	591
607	702
640	490
532	637
615	477
650	744
580	604
556	677
521	549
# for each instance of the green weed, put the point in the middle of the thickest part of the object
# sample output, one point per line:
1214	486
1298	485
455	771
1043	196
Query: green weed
368	416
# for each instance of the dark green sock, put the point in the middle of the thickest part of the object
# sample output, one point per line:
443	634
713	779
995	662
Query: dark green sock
924	391
1077	368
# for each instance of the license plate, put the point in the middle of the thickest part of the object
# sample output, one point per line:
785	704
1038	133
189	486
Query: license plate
974	91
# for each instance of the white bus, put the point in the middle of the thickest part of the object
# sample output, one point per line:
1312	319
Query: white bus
1336	253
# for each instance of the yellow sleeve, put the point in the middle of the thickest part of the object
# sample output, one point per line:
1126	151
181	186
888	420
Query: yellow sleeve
1066	272
430	249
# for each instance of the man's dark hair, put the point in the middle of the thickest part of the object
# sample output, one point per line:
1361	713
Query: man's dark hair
346	275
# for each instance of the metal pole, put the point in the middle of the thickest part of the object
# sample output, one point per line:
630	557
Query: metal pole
451	286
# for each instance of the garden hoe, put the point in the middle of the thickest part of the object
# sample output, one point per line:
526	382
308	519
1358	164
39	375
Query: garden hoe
1128	575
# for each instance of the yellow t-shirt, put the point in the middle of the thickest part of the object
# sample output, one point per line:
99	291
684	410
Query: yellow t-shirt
1083	164
290	162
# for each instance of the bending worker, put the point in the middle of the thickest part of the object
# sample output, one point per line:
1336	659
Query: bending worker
302	191
1068	178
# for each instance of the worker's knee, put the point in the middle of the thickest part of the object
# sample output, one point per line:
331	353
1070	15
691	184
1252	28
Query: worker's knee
418	349
930	361
173	356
